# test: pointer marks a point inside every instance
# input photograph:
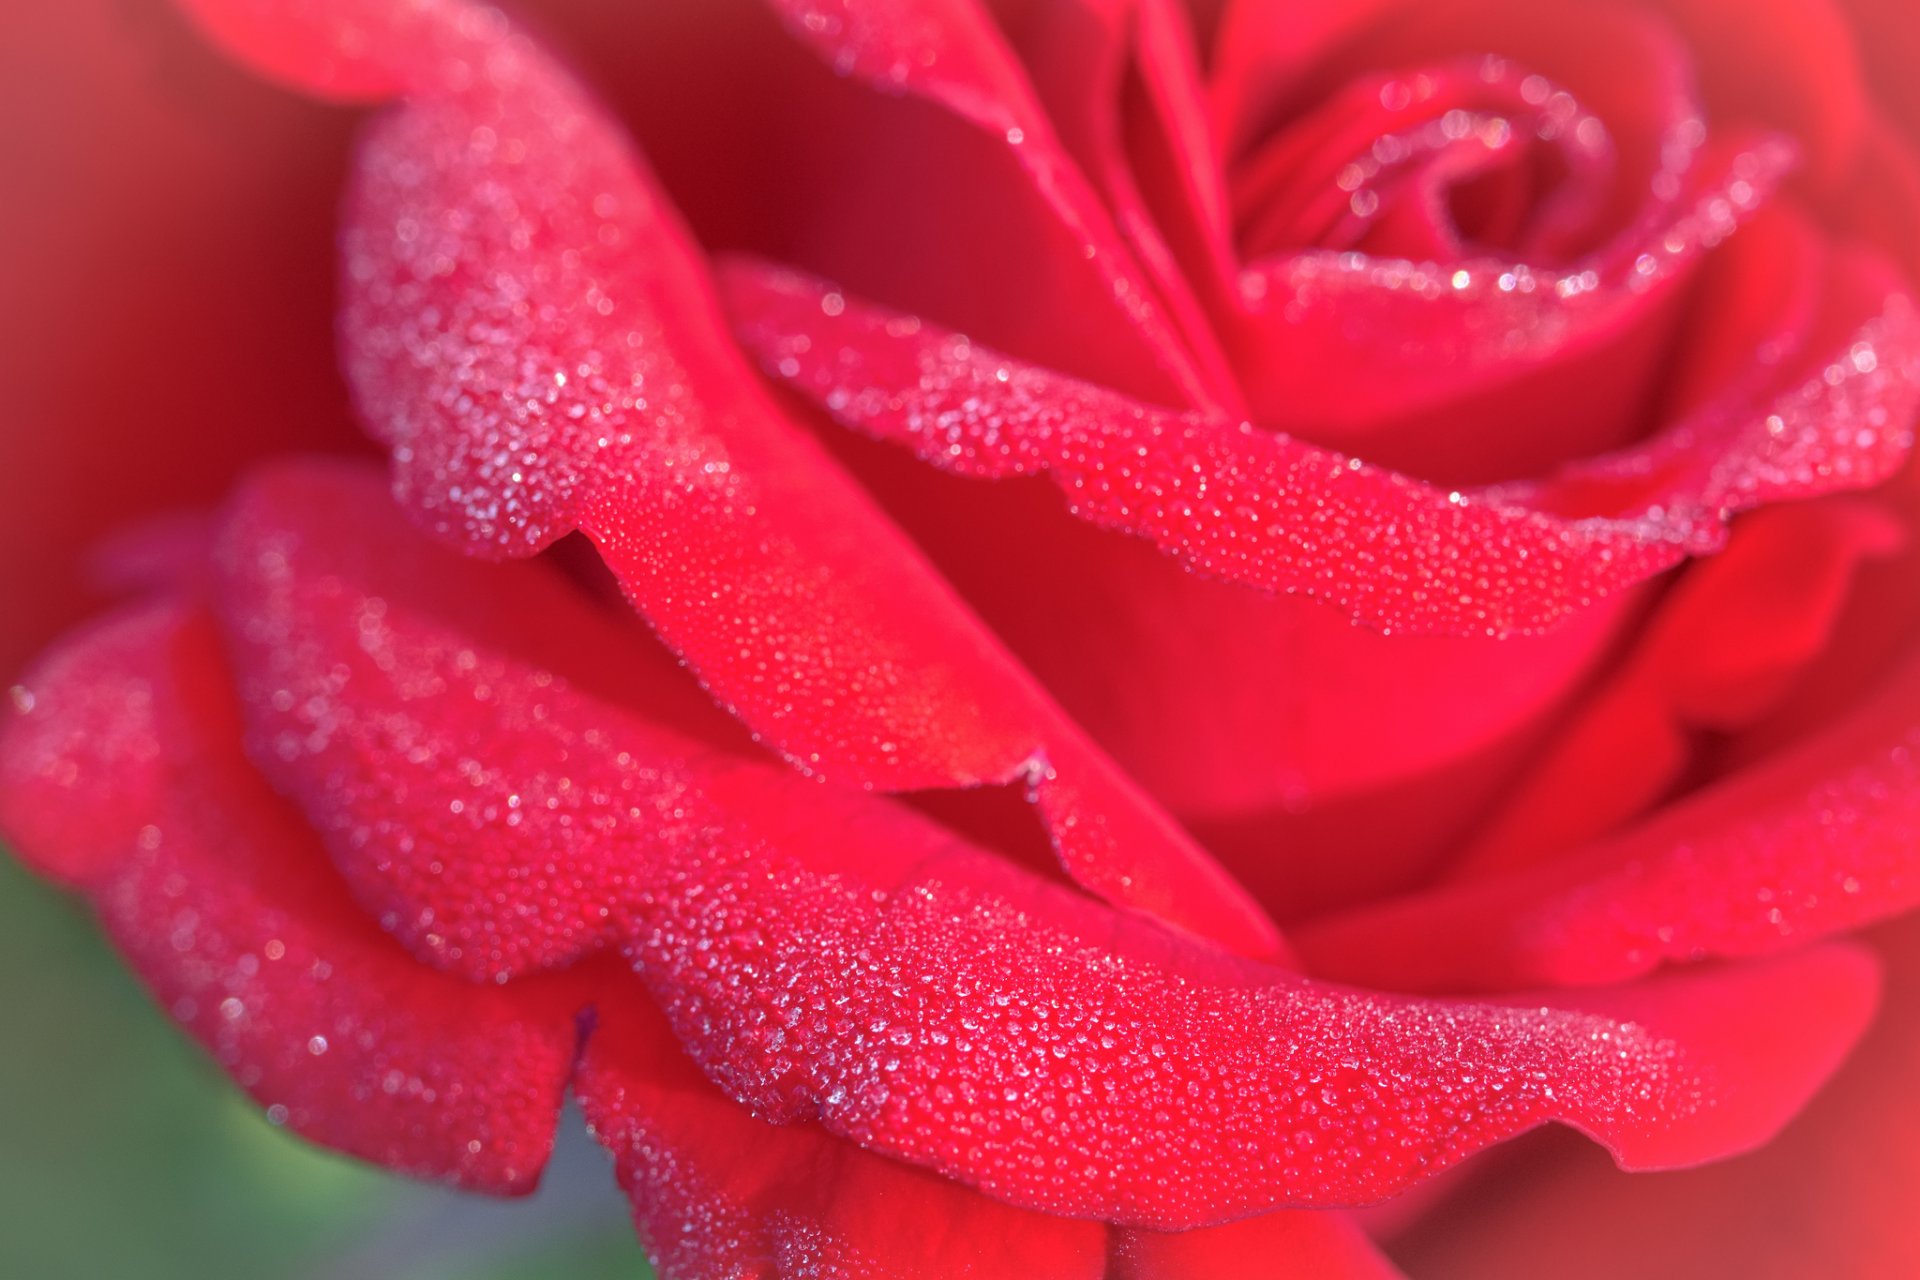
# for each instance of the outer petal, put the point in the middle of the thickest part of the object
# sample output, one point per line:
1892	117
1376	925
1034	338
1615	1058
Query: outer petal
530	328
1832	1196
829	956
1725	647
718	1192
1820	840
122	770
852	99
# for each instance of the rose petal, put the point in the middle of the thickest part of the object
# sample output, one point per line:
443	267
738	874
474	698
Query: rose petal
1791	65
829	956
121	770
530	328
1482	348
1723	649
1832	1196
1249	506
1273	512
951	52
717	1191
1118	80
1844	419
1820	840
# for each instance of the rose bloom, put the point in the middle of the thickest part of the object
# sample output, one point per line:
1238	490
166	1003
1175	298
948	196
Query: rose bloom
1047	638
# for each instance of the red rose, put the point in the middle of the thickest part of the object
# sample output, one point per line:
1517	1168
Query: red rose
1449	507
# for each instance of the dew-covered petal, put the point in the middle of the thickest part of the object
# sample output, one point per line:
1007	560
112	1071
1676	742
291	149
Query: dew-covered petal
70	819
829	956
1818	840
530	328
1264	509
489	886
121	771
1099	824
1833	412
1445	366
1227	499
719	1192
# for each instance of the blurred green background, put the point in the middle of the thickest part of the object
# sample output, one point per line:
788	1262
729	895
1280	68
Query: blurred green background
124	1155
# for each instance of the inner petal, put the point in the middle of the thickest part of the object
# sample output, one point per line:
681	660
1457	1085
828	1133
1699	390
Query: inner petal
1478	156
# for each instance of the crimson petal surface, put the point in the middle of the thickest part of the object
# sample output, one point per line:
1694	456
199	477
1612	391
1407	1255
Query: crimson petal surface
1819	840
1266	510
717	1192
1230	500
530	328
121	769
828	956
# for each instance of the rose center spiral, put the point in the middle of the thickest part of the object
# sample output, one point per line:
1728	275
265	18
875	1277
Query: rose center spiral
1477	156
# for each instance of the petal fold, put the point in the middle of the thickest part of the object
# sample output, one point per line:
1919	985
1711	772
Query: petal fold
719	1192
831	957
222	900
1821	839
1270	511
1227	499
529	327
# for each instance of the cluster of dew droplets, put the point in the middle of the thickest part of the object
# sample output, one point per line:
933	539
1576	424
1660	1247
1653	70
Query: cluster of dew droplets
1231	500
1516	107
916	995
